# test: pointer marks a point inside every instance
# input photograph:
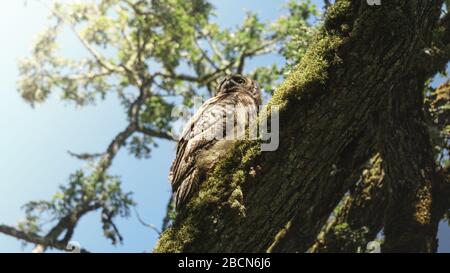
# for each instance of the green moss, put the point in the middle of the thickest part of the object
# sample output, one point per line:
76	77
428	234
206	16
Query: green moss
220	192
220	196
236	201
280	235
311	74
345	239
174	240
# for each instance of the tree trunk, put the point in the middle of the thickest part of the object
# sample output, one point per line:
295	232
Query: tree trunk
411	225
344	99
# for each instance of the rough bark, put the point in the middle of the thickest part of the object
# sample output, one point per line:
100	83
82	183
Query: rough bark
359	217
329	114
411	225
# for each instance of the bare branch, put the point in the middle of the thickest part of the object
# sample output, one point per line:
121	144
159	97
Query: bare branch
155	133
261	50
203	52
114	147
214	47
151	226
34	239
84	156
198	79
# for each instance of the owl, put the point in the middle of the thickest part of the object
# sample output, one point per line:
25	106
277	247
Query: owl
219	122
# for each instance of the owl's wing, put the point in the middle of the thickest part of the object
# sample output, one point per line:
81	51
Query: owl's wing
195	137
199	134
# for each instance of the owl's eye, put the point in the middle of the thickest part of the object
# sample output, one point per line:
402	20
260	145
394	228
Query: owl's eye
239	80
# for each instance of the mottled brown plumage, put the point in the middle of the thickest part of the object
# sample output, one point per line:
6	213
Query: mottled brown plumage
201	143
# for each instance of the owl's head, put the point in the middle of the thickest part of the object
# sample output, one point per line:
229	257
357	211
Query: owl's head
239	83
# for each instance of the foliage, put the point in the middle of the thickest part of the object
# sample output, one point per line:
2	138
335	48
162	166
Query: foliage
83	192
152	55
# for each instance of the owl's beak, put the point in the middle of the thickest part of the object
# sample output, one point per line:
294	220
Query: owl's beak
229	84
226	84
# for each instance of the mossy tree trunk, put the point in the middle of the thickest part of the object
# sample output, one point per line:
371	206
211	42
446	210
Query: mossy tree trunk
357	91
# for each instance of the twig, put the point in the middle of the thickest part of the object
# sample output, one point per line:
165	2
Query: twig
151	226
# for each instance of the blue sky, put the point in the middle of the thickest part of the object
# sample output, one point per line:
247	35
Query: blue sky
34	142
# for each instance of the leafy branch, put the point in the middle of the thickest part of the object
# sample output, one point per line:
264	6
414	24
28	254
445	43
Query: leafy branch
151	55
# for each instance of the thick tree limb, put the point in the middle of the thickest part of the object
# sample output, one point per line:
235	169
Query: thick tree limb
360	217
364	207
329	108
411	223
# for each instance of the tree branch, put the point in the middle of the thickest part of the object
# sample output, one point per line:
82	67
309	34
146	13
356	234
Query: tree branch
67	224
150	226
360	216
156	133
34	239
97	56
329	108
